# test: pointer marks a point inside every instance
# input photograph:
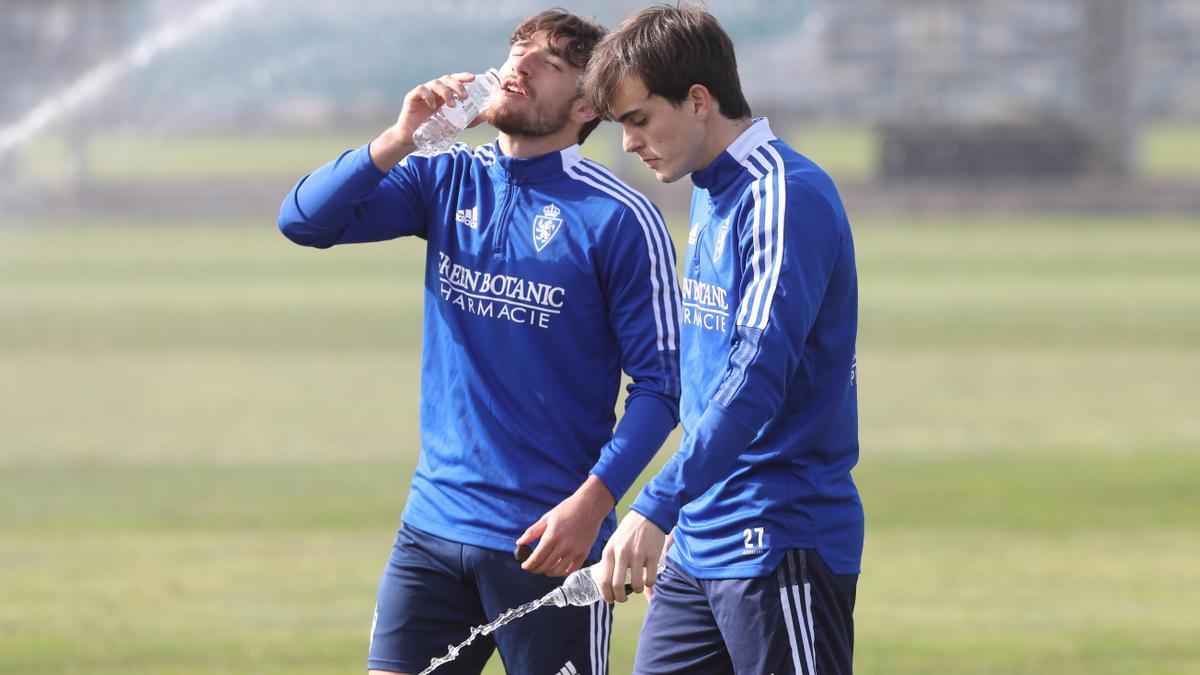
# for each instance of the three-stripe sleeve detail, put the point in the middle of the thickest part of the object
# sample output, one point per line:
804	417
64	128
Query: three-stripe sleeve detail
769	196
485	154
665	290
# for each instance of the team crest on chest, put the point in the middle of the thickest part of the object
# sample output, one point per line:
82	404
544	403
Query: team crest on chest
546	226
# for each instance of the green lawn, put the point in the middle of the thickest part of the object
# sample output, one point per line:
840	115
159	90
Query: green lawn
206	435
1166	151
117	158
1172	150
847	152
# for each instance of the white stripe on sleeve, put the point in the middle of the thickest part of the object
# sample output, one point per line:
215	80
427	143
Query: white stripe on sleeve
657	230
767	229
665	295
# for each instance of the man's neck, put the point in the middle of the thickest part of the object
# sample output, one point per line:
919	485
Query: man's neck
532	146
721	132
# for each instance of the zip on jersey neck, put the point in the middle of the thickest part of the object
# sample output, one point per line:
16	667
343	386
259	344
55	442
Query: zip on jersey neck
524	170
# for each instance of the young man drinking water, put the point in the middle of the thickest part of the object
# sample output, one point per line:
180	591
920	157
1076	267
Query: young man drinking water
545	278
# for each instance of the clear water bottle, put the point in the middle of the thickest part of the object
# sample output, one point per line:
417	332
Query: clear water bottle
437	134
581	589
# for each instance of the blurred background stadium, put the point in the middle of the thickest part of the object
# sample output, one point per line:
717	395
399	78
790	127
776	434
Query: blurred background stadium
206	433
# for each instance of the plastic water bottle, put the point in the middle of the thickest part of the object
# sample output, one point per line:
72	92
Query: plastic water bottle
437	134
581	588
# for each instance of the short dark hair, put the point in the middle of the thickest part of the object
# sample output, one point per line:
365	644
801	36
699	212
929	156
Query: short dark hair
582	36
670	49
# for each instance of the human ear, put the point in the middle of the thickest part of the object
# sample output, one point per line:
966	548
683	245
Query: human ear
582	112
699	101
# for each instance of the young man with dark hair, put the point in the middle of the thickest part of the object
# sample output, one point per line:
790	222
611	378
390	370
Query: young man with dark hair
545	277
768	525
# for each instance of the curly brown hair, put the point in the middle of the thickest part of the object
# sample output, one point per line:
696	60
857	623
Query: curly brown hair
581	37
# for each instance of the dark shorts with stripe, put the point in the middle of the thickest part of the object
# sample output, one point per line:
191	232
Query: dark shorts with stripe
434	590
798	620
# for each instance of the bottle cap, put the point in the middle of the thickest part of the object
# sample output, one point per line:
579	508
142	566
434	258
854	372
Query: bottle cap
522	552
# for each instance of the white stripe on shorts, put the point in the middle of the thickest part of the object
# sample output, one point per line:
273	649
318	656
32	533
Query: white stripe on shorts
797	616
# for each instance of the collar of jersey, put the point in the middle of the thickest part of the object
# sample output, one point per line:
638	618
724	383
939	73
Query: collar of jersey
545	167
730	164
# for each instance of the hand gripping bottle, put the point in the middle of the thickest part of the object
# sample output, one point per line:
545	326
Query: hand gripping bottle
437	134
580	589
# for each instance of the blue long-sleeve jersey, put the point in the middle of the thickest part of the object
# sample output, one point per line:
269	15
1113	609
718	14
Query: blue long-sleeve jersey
544	279
769	405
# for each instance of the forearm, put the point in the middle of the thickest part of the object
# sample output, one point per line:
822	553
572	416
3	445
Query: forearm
600	500
390	148
647	422
707	453
322	204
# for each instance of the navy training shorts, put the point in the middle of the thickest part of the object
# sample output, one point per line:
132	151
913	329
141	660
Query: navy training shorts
797	621
434	591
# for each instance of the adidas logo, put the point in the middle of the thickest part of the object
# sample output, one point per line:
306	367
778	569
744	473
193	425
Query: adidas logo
468	217
568	669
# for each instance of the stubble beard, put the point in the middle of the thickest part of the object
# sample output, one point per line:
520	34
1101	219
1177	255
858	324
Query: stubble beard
533	124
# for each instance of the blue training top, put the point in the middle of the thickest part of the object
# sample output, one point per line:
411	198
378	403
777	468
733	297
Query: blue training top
544	279
769	405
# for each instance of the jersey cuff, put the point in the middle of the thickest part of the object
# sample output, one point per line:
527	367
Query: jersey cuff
704	458
366	167
640	433
663	513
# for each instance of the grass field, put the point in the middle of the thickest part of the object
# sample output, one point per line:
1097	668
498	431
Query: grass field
206	436
1165	151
